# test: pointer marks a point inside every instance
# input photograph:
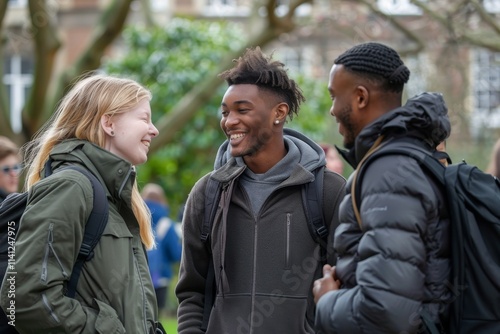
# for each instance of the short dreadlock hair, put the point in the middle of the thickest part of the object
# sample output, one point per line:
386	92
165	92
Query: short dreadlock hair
255	68
376	62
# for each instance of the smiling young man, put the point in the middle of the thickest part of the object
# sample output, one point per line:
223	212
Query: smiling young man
264	258
393	266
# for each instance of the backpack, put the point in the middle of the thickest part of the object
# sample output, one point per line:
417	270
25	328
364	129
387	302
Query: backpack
473	199
11	210
312	198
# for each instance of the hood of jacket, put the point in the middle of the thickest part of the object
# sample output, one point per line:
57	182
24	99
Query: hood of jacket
424	116
310	154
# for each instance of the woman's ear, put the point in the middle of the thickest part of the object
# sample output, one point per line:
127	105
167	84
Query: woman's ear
107	125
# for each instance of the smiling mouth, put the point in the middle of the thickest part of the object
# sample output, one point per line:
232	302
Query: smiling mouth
236	136
146	143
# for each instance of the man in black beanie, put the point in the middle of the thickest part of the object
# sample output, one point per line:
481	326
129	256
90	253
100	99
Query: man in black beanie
392	241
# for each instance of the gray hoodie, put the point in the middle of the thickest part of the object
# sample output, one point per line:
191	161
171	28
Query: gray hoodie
264	258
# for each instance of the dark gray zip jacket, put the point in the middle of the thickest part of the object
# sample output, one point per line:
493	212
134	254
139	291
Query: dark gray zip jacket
114	292
265	265
398	263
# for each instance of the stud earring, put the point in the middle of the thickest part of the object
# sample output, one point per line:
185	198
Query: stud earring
112	133
276	122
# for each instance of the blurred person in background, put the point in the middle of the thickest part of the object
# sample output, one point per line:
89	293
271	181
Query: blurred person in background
333	161
168	244
10	167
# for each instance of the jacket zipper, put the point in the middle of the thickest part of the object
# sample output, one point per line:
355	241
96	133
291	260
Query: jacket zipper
48	248
144	306
254	276
49	308
287	242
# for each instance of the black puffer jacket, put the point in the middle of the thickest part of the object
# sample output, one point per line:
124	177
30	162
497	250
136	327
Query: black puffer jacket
399	262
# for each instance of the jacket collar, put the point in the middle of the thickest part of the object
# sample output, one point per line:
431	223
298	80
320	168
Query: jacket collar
116	173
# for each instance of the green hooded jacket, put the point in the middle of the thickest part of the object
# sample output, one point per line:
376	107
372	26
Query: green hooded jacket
114	292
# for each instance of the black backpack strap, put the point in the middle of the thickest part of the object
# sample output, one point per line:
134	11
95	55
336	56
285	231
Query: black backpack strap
212	198
425	159
312	196
93	229
213	192
210	291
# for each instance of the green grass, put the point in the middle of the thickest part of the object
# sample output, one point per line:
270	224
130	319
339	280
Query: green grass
170	325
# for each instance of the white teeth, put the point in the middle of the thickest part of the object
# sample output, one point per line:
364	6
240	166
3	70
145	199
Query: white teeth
146	143
236	136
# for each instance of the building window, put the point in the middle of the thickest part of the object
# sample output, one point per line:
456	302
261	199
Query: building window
292	59
486	90
398	7
159	5
282	8
18	3
492	6
419	68
298	60
17	78
225	8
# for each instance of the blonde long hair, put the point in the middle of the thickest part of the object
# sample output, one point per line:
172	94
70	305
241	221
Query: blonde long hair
79	116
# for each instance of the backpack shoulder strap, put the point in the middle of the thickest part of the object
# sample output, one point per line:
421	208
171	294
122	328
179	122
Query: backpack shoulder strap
212	197
312	197
424	158
93	228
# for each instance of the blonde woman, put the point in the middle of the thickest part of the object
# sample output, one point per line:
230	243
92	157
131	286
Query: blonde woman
104	125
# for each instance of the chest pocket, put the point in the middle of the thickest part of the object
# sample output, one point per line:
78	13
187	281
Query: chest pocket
117	230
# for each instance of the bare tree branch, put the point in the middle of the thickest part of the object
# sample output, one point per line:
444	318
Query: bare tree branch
492	43
433	14
293	7
4	110
419	44
44	34
462	33
110	26
460	5
486	17
200	95
147	13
